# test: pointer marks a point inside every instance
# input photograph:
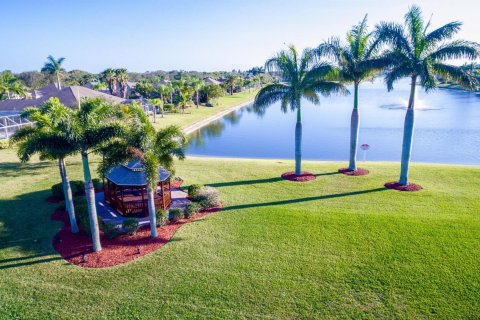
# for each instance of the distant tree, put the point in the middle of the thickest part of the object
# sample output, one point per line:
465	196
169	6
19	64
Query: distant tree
212	91
9	84
197	84
33	79
421	55
54	67
232	80
121	76
110	78
78	78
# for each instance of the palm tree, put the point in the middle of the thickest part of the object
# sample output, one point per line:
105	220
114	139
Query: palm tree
358	61
197	84
232	80
109	76
152	148
184	92
121	76
302	78
10	84
54	67
49	141
90	129
421	55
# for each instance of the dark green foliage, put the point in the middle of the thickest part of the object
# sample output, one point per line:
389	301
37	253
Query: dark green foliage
168	107
193	190
97	184
57	191
81	212
77	187
191	210
175	214
109	229
130	226
162	218
207	197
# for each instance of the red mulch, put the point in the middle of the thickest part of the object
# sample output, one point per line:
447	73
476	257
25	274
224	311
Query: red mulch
117	251
176	184
303	177
397	186
358	172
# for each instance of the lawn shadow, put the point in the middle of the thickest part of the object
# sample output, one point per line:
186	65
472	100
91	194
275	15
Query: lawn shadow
300	200
26	261
17	169
258	181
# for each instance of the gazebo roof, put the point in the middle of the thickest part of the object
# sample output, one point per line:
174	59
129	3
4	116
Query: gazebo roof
132	174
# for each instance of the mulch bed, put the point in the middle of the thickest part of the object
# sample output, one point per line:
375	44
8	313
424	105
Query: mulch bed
397	186
176	184
358	172
303	177
122	249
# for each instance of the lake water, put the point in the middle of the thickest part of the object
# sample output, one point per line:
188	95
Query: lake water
447	128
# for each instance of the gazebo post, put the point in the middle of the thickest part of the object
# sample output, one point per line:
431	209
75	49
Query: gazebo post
164	207
121	197
143	200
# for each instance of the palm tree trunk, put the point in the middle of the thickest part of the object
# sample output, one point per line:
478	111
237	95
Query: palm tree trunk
151	212
58	82
67	193
298	143
408	135
354	128
91	203
196	98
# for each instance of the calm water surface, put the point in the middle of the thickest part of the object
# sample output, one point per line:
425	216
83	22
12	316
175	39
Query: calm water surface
447	128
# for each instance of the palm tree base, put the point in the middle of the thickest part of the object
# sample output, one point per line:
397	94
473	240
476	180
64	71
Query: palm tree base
303	177
358	172
411	187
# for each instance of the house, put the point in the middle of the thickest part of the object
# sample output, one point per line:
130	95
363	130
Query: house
69	96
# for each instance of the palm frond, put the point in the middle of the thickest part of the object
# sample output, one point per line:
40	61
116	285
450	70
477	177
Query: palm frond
455	74
456	50
270	94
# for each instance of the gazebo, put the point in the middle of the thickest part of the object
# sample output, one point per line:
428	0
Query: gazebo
126	190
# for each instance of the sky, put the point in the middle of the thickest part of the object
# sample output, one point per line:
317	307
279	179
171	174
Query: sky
207	35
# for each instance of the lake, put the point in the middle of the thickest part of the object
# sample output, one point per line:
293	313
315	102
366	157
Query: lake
447	128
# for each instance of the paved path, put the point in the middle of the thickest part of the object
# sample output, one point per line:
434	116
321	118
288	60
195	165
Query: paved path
109	215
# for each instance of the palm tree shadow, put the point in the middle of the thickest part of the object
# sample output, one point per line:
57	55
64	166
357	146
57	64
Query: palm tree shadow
258	181
300	200
26	261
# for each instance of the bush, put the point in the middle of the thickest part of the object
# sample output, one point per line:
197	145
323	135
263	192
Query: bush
191	210
78	187
81	213
109	229
130	226
210	105
175	214
168	107
97	183
193	190
4	144
57	191
162	218
207	197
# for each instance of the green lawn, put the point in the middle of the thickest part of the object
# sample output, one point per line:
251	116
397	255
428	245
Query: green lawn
194	114
339	246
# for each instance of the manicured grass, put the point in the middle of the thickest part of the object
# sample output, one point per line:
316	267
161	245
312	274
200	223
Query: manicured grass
338	246
194	114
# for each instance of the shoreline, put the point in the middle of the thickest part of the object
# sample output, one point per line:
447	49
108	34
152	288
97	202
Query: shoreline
204	122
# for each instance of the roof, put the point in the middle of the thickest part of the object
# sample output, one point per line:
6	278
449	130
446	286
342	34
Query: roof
211	80
69	96
132	174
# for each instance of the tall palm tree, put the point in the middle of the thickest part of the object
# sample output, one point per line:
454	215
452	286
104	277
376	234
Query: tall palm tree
197	84
358	60
50	142
110	77
152	148
302	77
232	80
184	92
421	55
54	67
10	84
91	128
121	76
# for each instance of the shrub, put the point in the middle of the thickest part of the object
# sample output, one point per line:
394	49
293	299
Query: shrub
193	190
109	229
130	226
97	183
57	191
78	186
191	210
162	218
4	144
207	197
175	214
210	105
81	213
168	107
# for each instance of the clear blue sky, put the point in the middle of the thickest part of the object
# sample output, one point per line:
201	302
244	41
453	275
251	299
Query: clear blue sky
146	35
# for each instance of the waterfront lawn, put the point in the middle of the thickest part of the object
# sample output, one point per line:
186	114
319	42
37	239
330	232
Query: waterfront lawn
194	114
336	247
